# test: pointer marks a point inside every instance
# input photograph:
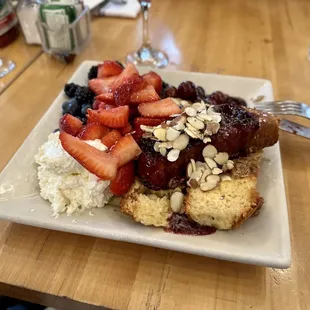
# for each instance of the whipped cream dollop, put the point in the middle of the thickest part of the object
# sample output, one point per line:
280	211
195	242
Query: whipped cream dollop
65	183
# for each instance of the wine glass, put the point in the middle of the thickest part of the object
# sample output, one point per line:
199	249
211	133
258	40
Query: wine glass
148	55
6	66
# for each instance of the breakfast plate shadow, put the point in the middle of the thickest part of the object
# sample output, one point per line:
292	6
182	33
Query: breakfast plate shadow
262	240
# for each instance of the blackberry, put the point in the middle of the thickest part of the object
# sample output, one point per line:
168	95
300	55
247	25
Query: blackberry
187	91
84	95
171	91
70	89
237	101
118	62
164	85
93	72
217	97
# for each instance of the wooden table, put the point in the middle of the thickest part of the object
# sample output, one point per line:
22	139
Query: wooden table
265	39
23	55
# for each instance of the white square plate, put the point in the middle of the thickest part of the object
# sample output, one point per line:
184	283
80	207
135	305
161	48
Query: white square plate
262	240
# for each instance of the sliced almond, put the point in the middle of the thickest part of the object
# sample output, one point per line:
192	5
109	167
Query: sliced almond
160	134
163	151
192	134
181	142
156	146
228	166
190	111
213	178
206	140
199	164
179	126
167	145
206	173
205	117
173	155
225	178
199	106
177	189
207	186
211	111
147	128
189	170
210	162
217	171
192	128
193	163
212	128
209	151
172	134
221	158
196	123
175	115
176	201
216	118
196	175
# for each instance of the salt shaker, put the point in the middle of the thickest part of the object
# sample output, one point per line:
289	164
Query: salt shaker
27	13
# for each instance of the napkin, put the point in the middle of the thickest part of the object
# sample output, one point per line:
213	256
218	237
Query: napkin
129	10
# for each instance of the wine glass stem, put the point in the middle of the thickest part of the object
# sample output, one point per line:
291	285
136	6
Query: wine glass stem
145	13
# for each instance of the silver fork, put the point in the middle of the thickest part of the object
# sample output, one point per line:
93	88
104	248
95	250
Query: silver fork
284	108
288	108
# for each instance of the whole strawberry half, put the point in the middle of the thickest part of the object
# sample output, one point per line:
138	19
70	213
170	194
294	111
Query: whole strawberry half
161	108
109	68
152	78
126	149
123	180
70	124
103	165
93	131
147	94
111	138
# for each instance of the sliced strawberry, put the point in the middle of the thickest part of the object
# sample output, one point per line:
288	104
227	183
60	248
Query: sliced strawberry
138	132
109	68
101	86
162	108
111	138
114	118
152	78
123	180
92	116
126	149
93	131
70	124
106	97
127	129
128	72
147	121
147	94
123	92
101	164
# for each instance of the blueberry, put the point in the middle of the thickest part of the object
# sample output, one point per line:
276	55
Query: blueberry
70	107
84	108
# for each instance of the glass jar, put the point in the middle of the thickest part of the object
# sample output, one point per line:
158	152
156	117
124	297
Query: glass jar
8	23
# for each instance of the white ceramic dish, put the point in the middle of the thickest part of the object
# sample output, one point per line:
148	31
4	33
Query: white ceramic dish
262	240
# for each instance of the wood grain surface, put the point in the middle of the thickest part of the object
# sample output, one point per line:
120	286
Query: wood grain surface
22	54
266	39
